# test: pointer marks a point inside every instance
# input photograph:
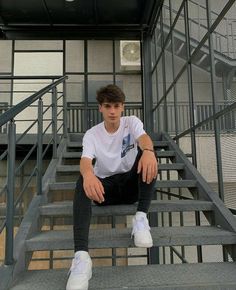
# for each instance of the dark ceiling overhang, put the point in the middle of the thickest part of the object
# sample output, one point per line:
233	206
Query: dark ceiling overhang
80	19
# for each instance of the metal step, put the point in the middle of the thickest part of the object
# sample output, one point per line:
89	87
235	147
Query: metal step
77	144
157	144
160	154
159	184
204	276
72	155
121	238
161	167
201	59
160	144
64	208
188	183
180	49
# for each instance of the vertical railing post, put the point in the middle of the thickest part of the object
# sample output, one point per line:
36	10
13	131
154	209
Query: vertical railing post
216	120
64	111
40	147
176	117
54	121
10	193
227	35
190	84
165	111
233	40
147	83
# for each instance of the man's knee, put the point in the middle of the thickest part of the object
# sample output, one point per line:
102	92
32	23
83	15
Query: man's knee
79	182
80	195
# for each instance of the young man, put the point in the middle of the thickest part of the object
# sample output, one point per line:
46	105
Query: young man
125	171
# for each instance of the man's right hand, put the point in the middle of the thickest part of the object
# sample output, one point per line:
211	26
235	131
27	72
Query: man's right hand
93	188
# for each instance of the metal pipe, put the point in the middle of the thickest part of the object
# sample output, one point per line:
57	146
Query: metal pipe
190	85
54	121
173	70
191	101
12	72
11	77
39	148
114	61
178	254
10	193
199	26
147	83
216	121
86	119
227	33
164	74
11	113
207	120
65	128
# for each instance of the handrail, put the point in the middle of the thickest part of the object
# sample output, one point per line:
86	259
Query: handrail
204	117
8	117
211	118
10	77
11	113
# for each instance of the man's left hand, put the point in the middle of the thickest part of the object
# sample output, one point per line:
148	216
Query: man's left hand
148	165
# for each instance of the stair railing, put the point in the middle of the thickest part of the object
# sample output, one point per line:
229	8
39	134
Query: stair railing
202	111
76	113
58	126
223	43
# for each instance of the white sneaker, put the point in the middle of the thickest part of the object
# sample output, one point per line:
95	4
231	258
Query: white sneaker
80	272
141	231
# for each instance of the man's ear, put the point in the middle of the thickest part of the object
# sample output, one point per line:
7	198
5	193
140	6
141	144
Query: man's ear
123	107
100	108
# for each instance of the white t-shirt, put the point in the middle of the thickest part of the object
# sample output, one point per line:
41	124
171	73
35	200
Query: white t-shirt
115	153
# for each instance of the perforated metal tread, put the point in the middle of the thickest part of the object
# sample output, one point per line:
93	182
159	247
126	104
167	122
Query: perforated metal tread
159	184
78	144
207	276
160	154
65	208
161	167
121	238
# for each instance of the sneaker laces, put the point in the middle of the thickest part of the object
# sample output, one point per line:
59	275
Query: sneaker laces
140	225
78	266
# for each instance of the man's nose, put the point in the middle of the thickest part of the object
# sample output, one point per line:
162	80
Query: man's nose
112	110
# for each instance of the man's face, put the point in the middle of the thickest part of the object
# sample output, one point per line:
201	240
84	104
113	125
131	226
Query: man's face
111	112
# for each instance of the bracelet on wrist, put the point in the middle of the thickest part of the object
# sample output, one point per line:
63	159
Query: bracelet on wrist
147	149
152	150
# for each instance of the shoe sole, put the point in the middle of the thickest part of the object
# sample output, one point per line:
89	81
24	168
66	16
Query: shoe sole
85	287
143	245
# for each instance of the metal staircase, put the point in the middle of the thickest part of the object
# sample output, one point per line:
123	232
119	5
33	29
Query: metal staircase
184	192
224	44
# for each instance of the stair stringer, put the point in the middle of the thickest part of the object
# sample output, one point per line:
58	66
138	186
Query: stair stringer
223	62
223	216
31	223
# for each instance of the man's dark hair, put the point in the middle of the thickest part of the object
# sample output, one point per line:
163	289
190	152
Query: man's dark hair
110	94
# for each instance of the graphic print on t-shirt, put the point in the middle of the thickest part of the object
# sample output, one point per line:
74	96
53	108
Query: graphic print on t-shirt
126	146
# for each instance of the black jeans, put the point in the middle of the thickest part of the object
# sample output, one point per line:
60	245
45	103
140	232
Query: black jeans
124	188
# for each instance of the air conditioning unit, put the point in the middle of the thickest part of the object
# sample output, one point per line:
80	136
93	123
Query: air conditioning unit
130	57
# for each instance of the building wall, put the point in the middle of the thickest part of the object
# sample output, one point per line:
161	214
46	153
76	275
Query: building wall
100	61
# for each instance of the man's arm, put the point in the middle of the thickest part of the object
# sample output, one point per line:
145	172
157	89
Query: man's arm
148	162
92	185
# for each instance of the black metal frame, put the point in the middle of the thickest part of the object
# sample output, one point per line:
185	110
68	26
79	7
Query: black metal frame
190	57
